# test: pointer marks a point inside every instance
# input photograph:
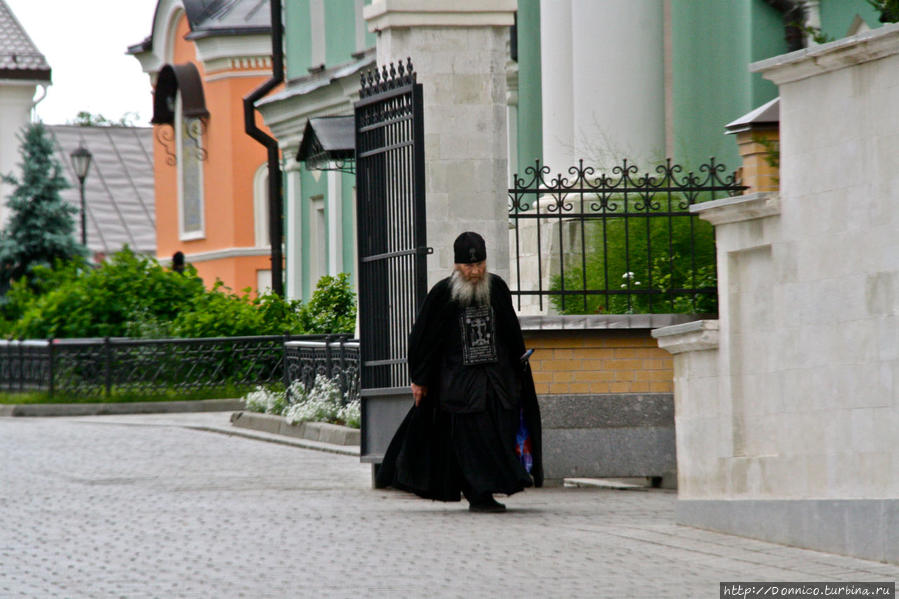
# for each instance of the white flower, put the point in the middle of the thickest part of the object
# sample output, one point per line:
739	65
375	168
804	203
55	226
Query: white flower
264	400
322	403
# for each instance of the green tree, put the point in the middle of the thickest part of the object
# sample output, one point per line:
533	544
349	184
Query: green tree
89	119
888	9
332	307
41	228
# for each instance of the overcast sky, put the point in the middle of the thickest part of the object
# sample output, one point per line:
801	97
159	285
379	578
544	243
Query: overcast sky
85	42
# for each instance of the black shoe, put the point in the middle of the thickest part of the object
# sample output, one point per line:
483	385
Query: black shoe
487	505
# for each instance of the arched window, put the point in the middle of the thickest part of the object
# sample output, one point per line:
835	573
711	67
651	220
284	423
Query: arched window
179	102
190	154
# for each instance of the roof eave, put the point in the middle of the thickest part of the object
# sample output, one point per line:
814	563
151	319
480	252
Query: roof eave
227	31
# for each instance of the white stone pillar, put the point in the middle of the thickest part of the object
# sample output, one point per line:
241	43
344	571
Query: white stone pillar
293	223
603	91
335	223
557	84
458	49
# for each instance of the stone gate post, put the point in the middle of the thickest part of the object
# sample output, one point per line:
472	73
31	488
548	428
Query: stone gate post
459	50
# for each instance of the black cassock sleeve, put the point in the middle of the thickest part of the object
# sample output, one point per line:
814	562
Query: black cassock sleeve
426	338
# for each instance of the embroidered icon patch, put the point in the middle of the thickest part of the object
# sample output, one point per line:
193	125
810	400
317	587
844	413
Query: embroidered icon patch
478	335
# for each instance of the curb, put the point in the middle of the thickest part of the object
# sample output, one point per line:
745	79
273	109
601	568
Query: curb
279	439
321	432
102	409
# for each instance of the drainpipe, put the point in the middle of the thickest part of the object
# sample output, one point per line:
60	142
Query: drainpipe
275	226
34	103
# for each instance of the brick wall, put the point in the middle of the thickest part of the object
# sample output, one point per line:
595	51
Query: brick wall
599	361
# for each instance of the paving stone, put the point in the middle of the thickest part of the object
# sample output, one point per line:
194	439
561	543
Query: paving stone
142	506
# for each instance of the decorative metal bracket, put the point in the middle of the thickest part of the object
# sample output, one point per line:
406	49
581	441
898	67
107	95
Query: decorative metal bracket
165	135
320	160
194	129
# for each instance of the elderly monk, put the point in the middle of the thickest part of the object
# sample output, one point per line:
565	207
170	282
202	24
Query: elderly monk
475	425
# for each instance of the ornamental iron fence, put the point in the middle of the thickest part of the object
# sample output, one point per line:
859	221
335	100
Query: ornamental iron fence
338	360
618	243
392	240
99	366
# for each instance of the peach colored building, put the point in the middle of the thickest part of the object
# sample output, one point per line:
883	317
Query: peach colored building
210	176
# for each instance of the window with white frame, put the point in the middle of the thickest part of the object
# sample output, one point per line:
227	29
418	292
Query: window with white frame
189	145
318	253
261	207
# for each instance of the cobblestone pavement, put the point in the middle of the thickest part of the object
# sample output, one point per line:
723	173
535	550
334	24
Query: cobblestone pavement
114	507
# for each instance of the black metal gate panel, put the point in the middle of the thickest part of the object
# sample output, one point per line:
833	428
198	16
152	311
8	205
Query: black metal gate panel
392	254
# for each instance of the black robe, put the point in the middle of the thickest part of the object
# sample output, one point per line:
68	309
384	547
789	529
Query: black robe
461	437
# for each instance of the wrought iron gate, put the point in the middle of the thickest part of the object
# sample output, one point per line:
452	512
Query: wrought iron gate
390	210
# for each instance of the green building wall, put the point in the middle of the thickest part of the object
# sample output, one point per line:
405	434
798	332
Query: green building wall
837	16
713	43
297	38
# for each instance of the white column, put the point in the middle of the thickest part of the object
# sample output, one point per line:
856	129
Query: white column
512	117
557	84
617	82
335	224
459	53
293	222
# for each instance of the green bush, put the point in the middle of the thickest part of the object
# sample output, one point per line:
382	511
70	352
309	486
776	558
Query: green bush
332	308
641	260
134	296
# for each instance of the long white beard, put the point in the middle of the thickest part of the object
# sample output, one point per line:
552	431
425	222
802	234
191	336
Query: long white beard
468	293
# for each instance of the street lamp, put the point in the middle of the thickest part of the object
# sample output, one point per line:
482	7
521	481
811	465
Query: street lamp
81	162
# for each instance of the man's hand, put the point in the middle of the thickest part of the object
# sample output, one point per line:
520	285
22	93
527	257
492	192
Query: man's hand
418	391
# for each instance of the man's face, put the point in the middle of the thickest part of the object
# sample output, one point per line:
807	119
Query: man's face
474	272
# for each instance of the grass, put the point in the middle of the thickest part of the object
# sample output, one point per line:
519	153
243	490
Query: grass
121	396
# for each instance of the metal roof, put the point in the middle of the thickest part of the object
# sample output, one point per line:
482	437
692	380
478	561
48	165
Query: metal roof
19	57
119	188
767	114
172	78
329	143
227	17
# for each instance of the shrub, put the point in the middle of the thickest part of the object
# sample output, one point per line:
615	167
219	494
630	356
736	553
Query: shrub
632	256
131	295
332	308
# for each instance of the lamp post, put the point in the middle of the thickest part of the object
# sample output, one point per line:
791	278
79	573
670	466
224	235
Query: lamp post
81	162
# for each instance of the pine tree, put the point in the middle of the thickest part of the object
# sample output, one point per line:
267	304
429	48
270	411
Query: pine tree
41	226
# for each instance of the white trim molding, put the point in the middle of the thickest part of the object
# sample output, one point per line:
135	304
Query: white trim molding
856	49
387	14
739	208
234	252
699	335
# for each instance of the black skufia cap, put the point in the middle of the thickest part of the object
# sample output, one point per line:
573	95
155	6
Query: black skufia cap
469	248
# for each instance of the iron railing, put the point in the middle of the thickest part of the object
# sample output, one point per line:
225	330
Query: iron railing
334	359
623	243
101	366
390	203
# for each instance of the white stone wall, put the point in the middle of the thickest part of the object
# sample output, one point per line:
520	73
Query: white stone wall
16	100
800	398
459	51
